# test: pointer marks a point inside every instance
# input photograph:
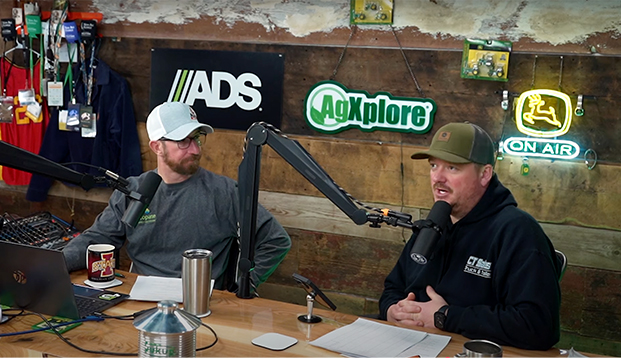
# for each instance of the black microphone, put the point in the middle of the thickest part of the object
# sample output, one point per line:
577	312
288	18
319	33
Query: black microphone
141	199
437	219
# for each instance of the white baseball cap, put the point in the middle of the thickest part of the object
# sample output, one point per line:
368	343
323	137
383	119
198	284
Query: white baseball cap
173	120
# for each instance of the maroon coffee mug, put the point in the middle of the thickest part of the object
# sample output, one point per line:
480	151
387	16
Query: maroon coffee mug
100	262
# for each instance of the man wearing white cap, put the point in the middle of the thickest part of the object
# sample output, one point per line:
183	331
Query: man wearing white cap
192	208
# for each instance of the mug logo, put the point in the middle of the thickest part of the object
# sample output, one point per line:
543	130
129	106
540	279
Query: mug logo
105	265
20	277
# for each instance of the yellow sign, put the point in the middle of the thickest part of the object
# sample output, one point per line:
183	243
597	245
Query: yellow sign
485	59
543	113
371	12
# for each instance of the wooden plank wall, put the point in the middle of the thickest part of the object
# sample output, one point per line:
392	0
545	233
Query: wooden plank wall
578	208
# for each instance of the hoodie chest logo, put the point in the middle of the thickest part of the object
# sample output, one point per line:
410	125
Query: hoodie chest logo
478	267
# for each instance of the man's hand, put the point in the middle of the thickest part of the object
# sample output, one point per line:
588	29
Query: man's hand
409	312
405	312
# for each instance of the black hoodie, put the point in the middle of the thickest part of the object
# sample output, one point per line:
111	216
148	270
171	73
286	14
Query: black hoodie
495	268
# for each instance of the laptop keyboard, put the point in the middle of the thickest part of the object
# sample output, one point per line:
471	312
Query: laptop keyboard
87	306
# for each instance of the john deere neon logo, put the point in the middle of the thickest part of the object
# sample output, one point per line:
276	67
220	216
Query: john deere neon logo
330	107
542	114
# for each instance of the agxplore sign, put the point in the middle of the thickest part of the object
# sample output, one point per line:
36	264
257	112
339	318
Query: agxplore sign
330	107
226	89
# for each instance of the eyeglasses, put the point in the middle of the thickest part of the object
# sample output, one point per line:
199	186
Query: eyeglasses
199	138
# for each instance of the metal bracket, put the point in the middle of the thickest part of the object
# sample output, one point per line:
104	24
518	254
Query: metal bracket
579	110
590	159
505	100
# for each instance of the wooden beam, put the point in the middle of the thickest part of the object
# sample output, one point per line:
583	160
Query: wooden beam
587	247
321	215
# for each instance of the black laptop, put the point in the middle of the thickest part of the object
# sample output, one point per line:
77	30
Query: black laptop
36	279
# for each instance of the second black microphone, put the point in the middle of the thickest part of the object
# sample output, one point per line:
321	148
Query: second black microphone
428	236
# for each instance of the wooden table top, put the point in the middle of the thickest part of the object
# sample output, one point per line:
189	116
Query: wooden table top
236	321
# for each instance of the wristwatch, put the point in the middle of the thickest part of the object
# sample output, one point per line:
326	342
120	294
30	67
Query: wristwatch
440	317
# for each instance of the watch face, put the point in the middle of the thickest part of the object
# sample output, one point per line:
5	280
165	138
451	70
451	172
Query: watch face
438	320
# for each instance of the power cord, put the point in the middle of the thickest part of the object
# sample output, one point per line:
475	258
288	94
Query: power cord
50	325
215	336
55	331
99	317
128	317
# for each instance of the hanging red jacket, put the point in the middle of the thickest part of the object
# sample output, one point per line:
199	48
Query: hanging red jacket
24	132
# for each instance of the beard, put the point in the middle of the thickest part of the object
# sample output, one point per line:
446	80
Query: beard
187	166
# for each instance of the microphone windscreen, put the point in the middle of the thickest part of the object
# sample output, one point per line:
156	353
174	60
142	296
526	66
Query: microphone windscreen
440	213
146	191
427	238
149	186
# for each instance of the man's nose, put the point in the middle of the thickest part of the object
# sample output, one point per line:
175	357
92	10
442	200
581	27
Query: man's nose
438	175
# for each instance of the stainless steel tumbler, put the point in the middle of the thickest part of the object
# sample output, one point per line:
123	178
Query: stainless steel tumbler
196	279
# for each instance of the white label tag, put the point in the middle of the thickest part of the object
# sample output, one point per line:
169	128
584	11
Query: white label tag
33	111
26	97
31	9
63	53
62	119
90	132
18	15
55	20
55	93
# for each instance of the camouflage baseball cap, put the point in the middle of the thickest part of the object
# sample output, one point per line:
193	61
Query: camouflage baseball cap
460	143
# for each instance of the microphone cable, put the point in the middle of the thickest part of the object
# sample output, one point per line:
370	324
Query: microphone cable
110	178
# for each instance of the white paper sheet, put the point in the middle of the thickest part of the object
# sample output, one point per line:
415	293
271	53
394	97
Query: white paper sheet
430	346
155	288
367	338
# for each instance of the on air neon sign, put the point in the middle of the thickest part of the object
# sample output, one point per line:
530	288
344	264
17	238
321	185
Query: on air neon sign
541	147
542	114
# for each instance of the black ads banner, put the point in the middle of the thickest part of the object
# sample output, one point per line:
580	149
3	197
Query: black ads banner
226	89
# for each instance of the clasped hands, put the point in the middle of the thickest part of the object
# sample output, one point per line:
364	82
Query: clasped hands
409	312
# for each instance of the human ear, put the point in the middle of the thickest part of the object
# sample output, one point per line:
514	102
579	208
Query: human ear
486	174
156	146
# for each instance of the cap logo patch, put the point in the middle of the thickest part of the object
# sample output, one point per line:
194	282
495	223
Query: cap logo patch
444	136
193	115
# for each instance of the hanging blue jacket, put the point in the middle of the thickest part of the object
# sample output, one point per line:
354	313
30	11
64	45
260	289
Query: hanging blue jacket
116	146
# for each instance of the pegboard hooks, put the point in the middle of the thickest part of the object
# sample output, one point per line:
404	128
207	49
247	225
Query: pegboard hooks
579	111
590	159
505	100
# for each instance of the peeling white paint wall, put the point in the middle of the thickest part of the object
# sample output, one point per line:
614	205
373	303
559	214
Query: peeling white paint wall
552	21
